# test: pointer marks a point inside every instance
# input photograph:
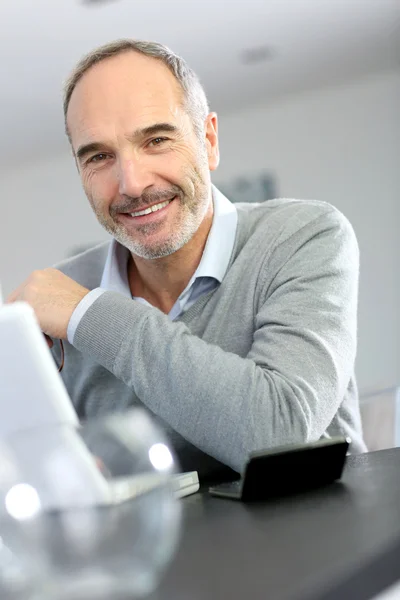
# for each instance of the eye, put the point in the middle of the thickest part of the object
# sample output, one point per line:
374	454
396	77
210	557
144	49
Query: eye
157	141
97	158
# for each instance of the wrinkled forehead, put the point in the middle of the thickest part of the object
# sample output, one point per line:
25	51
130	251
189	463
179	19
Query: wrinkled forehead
126	91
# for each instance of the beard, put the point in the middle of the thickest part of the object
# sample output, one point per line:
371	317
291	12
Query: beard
193	208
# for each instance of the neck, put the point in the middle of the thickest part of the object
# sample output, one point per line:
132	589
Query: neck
161	281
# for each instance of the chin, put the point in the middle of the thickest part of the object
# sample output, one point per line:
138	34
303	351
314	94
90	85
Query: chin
153	252
159	249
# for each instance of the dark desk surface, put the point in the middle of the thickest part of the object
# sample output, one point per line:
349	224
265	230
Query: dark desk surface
339	543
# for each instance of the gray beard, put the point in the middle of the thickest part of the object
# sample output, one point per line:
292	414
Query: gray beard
152	253
192	219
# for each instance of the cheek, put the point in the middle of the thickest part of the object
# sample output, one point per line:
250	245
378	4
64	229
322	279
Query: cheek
100	187
168	166
179	167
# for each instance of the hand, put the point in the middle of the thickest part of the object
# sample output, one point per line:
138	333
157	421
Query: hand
53	296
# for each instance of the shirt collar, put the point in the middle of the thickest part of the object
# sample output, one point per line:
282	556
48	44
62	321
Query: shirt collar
214	261
115	274
218	249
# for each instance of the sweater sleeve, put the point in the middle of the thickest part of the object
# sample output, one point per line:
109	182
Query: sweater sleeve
293	380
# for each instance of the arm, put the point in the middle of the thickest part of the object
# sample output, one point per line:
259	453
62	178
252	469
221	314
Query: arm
288	388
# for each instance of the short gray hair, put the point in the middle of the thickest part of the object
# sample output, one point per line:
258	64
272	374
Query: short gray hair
195	100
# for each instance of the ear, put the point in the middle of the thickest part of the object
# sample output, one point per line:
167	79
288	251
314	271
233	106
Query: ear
211	131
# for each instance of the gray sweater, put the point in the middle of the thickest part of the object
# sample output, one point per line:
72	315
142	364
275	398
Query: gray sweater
265	359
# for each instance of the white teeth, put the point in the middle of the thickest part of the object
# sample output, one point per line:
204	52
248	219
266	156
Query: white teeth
154	208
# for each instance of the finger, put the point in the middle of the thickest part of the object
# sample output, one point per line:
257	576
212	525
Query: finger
13	297
49	341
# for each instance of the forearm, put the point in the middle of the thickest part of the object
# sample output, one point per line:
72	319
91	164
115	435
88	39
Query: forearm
222	403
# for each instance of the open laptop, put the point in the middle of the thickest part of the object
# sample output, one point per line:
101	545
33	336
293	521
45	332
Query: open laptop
39	399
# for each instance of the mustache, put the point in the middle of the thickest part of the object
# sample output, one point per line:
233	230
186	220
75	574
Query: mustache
130	205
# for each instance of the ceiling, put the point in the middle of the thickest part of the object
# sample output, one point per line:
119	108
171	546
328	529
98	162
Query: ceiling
311	43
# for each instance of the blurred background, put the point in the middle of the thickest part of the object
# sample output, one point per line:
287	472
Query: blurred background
308	95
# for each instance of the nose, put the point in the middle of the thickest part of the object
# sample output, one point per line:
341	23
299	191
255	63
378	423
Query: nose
133	177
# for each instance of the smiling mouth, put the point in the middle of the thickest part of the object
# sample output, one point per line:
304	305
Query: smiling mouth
152	209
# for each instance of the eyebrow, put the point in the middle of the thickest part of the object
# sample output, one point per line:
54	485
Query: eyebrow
138	134
87	149
153	129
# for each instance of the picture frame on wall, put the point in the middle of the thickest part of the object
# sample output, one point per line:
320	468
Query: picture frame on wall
250	188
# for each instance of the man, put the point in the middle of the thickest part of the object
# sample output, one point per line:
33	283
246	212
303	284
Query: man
234	325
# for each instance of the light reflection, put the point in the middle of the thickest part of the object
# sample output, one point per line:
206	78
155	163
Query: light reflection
161	457
22	502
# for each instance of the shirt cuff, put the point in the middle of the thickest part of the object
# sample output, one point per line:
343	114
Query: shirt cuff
80	311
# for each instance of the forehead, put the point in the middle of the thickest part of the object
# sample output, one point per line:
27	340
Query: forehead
128	90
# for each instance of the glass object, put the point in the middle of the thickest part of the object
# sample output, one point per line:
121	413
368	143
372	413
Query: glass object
86	513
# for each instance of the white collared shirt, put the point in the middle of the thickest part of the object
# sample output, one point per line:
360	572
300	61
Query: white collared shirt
208	275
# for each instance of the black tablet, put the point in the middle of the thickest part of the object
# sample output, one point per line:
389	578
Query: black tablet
288	470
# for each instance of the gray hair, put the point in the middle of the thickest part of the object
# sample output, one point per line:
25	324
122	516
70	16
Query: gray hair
195	100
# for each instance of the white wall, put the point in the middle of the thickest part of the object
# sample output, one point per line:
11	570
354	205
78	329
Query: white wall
44	214
341	145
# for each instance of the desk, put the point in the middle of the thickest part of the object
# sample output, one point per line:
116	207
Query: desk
339	543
